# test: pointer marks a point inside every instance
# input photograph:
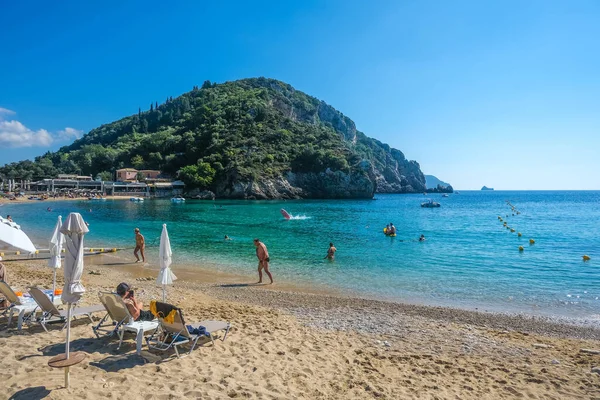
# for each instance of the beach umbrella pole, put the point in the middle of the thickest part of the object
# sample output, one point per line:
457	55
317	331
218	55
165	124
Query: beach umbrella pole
53	285
67	373
164	292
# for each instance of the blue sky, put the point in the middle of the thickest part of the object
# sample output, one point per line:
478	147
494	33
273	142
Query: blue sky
504	94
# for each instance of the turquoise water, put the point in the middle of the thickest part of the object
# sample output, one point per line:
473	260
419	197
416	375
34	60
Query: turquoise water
469	259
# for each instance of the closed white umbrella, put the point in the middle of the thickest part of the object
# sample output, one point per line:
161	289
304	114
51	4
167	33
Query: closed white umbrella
74	228
56	244
165	258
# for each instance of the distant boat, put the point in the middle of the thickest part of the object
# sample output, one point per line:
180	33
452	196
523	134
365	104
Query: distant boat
430	204
445	195
136	199
177	199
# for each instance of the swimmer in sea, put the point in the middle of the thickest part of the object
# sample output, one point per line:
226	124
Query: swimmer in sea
422	238
227	237
392	230
331	252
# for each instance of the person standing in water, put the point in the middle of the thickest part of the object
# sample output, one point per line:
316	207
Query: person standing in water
140	245
331	252
263	260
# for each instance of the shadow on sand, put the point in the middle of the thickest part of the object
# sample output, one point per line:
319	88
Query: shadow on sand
32	393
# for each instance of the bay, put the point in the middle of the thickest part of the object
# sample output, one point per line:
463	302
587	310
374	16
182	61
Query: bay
469	260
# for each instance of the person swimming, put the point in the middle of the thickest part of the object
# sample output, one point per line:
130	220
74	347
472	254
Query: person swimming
422	238
391	230
227	237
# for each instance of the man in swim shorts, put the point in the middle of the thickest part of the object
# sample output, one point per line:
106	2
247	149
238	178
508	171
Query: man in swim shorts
140	245
263	259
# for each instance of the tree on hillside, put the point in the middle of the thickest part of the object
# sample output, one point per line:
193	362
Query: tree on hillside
105	176
200	175
138	162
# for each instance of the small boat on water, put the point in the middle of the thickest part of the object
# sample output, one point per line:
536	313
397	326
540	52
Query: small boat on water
177	199
445	195
136	199
430	204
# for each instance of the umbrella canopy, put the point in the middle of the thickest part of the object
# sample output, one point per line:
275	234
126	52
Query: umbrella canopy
55	247
13	238
56	244
74	228
165	258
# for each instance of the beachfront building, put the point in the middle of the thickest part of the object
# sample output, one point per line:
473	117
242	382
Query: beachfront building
166	189
126	175
134	175
74	177
150	174
136	189
62	184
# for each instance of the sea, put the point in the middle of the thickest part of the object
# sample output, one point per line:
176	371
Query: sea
469	259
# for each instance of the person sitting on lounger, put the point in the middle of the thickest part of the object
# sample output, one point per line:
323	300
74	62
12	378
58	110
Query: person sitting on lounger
3	277
133	305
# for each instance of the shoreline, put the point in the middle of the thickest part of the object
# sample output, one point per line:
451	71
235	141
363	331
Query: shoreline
25	200
331	309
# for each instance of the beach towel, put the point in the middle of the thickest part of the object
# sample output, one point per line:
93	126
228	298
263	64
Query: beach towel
163	310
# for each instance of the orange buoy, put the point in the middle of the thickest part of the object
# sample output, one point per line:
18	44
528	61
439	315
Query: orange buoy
586	258
521	248
531	241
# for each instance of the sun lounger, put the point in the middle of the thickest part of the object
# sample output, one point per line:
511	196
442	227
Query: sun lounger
24	310
121	320
52	314
175	332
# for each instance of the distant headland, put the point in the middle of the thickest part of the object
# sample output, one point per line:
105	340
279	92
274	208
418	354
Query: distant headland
486	188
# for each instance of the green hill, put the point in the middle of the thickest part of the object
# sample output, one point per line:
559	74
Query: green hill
252	138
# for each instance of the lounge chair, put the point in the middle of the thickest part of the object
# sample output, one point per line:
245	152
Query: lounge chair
175	332
52	314
121	321
24	309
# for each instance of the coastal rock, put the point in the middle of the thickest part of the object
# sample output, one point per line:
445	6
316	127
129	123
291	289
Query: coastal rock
596	370
358	184
204	195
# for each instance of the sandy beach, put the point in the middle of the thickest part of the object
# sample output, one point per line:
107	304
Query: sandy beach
287	344
24	199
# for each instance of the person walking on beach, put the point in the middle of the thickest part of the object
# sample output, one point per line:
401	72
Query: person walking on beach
263	260
331	252
140	245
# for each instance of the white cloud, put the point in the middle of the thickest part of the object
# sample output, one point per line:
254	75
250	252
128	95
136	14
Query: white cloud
15	134
68	134
6	111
